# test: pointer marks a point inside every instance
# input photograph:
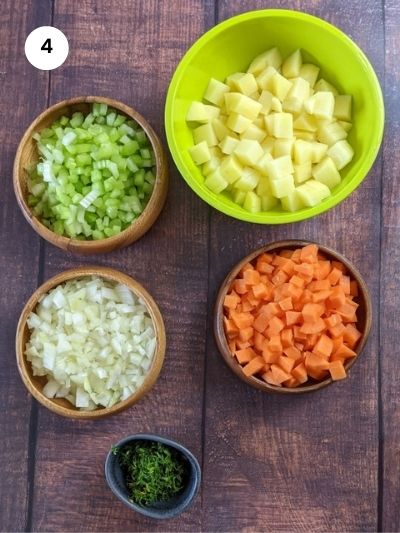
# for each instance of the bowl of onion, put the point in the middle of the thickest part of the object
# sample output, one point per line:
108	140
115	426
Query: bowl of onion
90	342
90	175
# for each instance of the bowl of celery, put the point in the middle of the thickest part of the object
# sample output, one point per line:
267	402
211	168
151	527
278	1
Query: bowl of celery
90	175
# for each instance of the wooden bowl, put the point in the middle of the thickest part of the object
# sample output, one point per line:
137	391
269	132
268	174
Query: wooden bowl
27	154
35	384
364	314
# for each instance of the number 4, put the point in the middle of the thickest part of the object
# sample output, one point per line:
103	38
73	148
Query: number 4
47	46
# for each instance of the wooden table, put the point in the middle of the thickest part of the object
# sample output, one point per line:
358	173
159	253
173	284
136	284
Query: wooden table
328	461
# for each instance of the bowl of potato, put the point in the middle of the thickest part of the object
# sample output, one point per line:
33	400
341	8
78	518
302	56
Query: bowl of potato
282	124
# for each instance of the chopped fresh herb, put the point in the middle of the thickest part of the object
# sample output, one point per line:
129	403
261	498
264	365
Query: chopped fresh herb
153	472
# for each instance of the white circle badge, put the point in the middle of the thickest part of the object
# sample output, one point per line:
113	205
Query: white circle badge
46	48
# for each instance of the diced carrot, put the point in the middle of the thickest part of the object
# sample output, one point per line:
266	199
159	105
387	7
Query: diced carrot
272	309
287	337
347	312
230	328
253	366
278	374
319	285
279	277
298	335
304	270
247	266
268	377
333	320
337	297
323	347
293	353
337	342
231	300
241	345
334	276
245	355
337	331
311	341
275	326
337	370
285	264
293	317
286	253
286	363
351	335
251	277
309	253
344	283
275	344
344	351
322	270
232	347
313	327
295	292
316	366
264	268
265	257
261	322
354	288
295	257
299	372
312	312
260	291
335	357
246	334
340	266
251	298
247	306
291	383
286	304
242	320
299	346
240	286
258	341
270	357
297	281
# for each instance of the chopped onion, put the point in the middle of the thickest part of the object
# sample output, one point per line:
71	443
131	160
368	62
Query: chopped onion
94	340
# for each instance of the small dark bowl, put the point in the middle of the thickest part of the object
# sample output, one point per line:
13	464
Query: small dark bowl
161	510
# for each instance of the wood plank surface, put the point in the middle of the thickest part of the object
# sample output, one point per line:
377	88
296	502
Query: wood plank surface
129	52
390	289
307	463
19	252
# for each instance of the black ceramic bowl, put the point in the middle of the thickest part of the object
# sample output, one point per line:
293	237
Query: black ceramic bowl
173	507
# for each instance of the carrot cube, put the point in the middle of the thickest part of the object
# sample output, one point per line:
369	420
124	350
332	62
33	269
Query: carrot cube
351	335
322	270
270	357
276	325
295	257
231	300
337	297
337	331
337	370
344	283
261	322
333	320
268	377
319	285
279	277
251	277
297	281
293	353
293	317
313	327
334	276
260	291
246	334
258	341
304	270
321	296
264	268
245	355
241	345
240	286
278	374
287	337
286	304
323	347
344	351
340	266
299	372
312	312
254	366
265	257
230	328
286	363
309	253
275	344
291	383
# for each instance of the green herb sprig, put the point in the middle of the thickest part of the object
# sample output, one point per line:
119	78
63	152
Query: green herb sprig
153	472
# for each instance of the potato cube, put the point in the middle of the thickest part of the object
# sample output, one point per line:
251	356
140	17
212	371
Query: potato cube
302	151
203	113
231	169
345	125
255	133
280	167
246	84
268	145
205	133
302	172
248	151
323	85
312	192
252	202
238	123
210	166
292	202
283	147
292	65
239	197
304	135
271	58
262	163
300	89
282	187
215	151
259	122
232	79
216	182
228	144
342	108
320	105
280	86
221	131
318	151
248	181
341	153
264	79
280	125
292	105
255	95
309	72
265	100
276	105
268	202
243	105
200	153
263	187
305	122
215	92
331	133
326	173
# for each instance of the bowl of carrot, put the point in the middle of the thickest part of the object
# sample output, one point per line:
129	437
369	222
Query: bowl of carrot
292	317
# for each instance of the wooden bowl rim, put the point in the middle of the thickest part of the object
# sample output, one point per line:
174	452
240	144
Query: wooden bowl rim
156	201
219	332
159	328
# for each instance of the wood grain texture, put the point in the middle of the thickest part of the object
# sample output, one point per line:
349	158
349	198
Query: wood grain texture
390	288
19	251
298	464
129	52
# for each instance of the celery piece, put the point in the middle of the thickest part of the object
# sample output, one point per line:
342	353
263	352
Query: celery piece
76	120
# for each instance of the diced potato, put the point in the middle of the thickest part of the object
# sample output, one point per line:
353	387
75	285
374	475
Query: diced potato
345	125
305	122
300	89
271	58
283	147
268	202
292	105
243	105
254	132
320	105
323	85
318	151
341	153
262	163
342	108
246	84
268	145
265	100
292	65
302	151
280	167
264	79
326	173
280	125
216	182
231	169
205	133
255	95
210	166
259	122
200	153
252	202
203	113
248	181
276	105
215	92
248	151
292	202
302	172
282	187
239	197
228	144
312	192
263	187
304	135
215	151
238	123
331	133
232	79
221	131
309	72
280	86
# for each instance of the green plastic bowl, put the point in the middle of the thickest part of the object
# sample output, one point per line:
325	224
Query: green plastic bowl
229	47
